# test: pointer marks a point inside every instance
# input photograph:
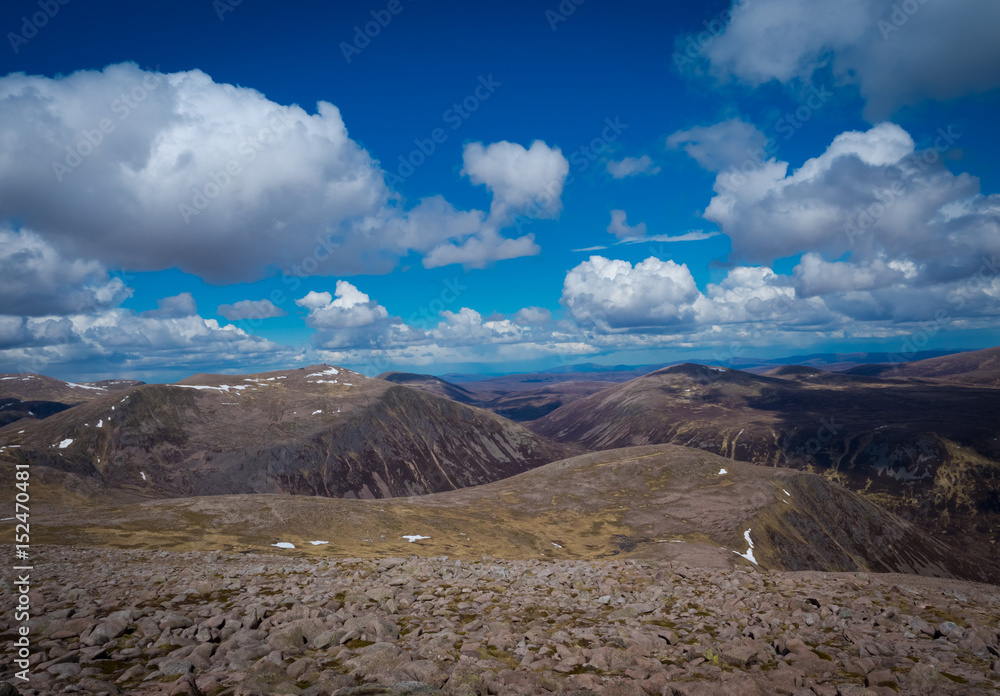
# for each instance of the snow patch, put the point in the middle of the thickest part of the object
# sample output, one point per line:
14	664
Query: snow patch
722	472
284	545
324	373
85	386
556	545
786	493
318	543
414	537
66	443
222	388
100	423
143	474
749	554
315	412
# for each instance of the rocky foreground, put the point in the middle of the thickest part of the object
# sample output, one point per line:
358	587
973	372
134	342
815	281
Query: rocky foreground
139	622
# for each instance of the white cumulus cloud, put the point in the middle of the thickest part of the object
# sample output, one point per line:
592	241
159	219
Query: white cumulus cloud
227	184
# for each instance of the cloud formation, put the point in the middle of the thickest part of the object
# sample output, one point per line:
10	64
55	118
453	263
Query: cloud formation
622	230
719	146
229	185
632	166
870	195
119	341
896	52
250	309
36	279
524	182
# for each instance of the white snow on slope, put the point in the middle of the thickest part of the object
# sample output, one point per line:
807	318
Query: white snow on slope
722	472
143	474
324	373
315	412
222	388
85	386
749	554
317	543
66	443
100	423
414	537
284	545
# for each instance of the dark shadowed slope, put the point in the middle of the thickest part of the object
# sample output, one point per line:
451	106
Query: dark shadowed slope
928	451
314	431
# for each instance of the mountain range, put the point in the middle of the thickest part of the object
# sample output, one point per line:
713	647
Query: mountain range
889	469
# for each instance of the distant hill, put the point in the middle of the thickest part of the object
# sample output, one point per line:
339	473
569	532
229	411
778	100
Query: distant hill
32	387
314	431
33	397
518	400
432	385
981	367
927	451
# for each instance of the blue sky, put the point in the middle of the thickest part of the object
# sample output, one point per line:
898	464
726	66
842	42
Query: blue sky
455	186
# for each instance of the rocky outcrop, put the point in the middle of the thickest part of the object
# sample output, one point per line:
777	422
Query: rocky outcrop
119	621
